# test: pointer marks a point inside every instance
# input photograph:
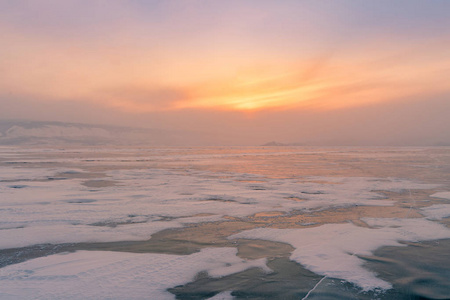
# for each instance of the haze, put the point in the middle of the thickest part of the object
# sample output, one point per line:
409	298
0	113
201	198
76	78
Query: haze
313	72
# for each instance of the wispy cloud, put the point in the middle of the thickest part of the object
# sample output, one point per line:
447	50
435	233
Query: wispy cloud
176	57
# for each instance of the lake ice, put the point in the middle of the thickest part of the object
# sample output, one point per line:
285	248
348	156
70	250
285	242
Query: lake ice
334	206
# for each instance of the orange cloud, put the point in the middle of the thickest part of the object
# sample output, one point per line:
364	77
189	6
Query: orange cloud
146	78
325	85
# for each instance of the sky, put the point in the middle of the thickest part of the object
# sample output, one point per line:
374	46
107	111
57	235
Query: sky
331	72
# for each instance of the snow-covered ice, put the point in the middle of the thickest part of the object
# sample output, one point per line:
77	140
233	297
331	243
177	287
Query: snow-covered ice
332	249
222	296
443	195
45	198
62	211
115	275
436	211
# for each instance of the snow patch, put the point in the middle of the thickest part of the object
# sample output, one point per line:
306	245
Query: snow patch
443	195
436	212
222	296
332	249
115	275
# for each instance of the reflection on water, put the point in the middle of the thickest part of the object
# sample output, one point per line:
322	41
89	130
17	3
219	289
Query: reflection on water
188	199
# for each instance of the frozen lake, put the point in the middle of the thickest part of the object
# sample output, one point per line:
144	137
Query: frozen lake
225	223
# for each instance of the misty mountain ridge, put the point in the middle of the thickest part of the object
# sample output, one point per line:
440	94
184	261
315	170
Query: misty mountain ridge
51	134
38	133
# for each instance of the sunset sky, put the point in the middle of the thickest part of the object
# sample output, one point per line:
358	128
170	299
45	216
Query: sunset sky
324	72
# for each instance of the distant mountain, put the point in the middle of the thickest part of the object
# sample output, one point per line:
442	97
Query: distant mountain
60	133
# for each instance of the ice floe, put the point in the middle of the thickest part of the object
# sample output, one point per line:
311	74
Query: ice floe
115	275
436	211
443	195
332	249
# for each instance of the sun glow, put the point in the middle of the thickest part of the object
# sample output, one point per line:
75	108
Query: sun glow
339	84
257	98
233	75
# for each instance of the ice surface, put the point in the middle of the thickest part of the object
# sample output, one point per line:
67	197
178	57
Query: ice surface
66	233
23	174
222	296
145	201
44	198
436	211
332	249
443	195
115	275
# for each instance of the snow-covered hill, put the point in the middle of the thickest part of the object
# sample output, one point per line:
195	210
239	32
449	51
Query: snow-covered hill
59	133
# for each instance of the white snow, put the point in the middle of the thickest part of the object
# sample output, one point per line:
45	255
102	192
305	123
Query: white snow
146	200
222	296
115	275
66	233
332	249
443	195
63	210
436	211
60	211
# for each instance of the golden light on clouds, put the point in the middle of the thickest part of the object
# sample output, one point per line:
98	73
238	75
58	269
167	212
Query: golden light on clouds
273	69
135	85
135	72
325	84
148	79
